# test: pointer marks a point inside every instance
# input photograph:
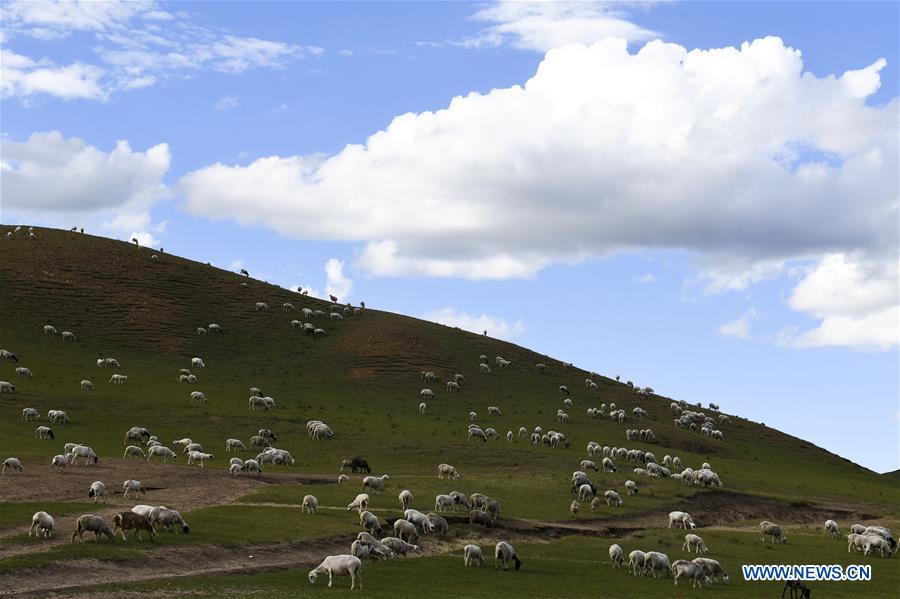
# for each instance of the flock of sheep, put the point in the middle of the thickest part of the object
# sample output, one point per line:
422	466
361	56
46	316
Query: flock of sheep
407	531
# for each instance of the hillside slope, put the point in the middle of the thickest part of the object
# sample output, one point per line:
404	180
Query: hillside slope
363	378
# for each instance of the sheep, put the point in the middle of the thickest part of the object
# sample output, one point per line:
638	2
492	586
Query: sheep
405	498
562	417
11	357
874	543
44	432
884	533
159	450
252	466
112	363
585	492
30	414
695	542
134	450
831	527
61	461
235	445
214	328
494	411
6	387
262	307
24	372
199	456
711	568
636	562
319	333
69	336
504	552
473	556
423	408
684	569
118	379
201	331
459	379
198	396
612	498
360	503
480	517
94	524
13	465
370	522
616	556
683	519
448	471
657	563
169	520
510	437
428	376
632	487
192	447
375	483
484	368
377	550
574	507
405	528
419	519
452	386
356	464
567	402
197	363
310	504
771	529
131	521
564	389
258	403
134	487
49	329
399	547
858	529
477	433
439	522
41	525
608	465
57	417
87	385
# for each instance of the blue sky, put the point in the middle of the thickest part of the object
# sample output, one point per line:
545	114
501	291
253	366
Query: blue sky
718	224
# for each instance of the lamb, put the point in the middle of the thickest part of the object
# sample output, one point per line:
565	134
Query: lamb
711	568
132	486
692	541
612	498
118	379
159	450
632	487
370	522
97	491
771	529
398	546
13	465
473	556
132	521
405	498
405	528
683	519
831	527
504	552
94	524
44	432
375	483
310	504
30	414
616	556
448	471
684	569
360	503
657	563
41	525
134	450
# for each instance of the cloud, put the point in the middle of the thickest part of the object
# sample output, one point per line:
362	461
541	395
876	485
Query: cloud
496	327
542	26
133	49
227	103
145	238
647	278
662	148
336	283
739	327
857	300
57	181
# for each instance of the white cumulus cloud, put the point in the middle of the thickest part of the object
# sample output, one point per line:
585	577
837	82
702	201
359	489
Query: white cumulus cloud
739	327
336	283
495	327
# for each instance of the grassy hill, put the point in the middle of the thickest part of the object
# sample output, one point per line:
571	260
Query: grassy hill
363	379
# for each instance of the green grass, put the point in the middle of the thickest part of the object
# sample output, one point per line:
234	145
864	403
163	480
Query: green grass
363	379
18	514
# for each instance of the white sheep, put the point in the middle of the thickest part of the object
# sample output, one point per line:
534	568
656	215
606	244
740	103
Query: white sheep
632	487
831	527
684	569
134	450
61	461
41	525
405	528
30	414
692	541
616	556
49	329
473	416
44	432
370	522
159	450
375	483
87	385
636	562
771	529
504	552
361	502
6	387
198	396
24	372
118	379
199	456
13	465
252	466
69	336
235	445
427	394
494	411
612	498
132	486
57	417
657	563
448	471
197	363
310	504
484	368
683	519
473	556
423	408
405	498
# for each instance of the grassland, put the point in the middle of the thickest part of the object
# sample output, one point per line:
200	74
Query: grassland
363	379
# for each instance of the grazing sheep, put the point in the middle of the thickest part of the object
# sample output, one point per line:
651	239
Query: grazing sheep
405	498
858	529
616	556
473	416
24	372
405	528
657	563
370	522
252	466
61	461
94	524
44	432
574	507
118	379
399	547
198	396
480	517
423	407
711	568
683	519
831	527
505	553
477	433
439	522
201	331
235	445
132	521
452	386
494	411
69	336
262	307
473	556
197	363
636	562
692	541
771	529
484	368
360	503
49	329
57	417
134	487
85	452
684	569
214	328
375	483
612	498
159	450
448	471
30	414
199	456
356	464
873	543
87	385
11	357
7	387
137	434
608	465
169	520
310	504
41	525
134	450
13	465
427	394
632	487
